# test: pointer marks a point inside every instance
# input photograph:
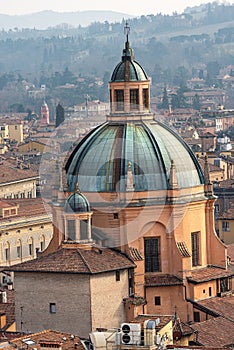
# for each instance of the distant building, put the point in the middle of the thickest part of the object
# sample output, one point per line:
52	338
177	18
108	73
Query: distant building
45	114
11	130
16	181
25	229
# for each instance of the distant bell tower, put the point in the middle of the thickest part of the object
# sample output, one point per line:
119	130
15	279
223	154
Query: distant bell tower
45	114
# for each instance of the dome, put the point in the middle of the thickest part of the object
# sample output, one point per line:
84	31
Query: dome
77	203
136	72
128	69
100	161
131	151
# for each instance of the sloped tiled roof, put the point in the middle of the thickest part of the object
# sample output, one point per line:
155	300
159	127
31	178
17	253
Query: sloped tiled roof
162	280
221	306
208	273
72	259
227	214
216	332
28	207
163	319
10	173
67	341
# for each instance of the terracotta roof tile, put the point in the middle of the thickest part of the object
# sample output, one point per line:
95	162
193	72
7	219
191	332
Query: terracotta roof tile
184	252
135	254
208	273
10	173
216	332
71	259
67	341
162	280
163	319
227	214
221	306
28	207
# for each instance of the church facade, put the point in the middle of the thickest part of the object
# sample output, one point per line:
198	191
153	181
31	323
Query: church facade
144	194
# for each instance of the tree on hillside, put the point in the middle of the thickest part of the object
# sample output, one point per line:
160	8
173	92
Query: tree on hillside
165	102
59	115
196	102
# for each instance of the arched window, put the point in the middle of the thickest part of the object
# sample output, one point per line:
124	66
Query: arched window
19	248
7	252
30	247
42	243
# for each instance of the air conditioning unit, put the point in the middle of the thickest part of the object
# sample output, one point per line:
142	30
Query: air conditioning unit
131	333
149	332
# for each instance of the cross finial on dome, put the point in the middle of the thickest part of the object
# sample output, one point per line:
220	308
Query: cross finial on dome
126	30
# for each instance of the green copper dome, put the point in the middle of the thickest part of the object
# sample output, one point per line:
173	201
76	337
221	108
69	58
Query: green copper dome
100	161
77	203
128	69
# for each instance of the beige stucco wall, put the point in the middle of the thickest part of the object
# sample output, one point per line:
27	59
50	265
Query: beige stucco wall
16	132
71	293
82	303
22	189
107	299
22	231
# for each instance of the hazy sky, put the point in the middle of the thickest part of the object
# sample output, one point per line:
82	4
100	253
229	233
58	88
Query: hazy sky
130	7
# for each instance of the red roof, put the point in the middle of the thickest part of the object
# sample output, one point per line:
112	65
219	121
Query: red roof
208	273
162	280
49	337
69	258
216	332
11	173
221	306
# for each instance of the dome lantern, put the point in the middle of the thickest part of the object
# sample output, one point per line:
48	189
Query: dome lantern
129	86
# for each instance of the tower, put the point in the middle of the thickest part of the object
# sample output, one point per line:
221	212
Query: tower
45	115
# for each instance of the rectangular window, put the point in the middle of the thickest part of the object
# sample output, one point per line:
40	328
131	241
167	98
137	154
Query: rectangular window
19	252
83	229
217	162
134	99
117	275
225	226
210	291
224	285
217	209
146	98
7	254
195	248
119	99
42	245
71	229
196	316
157	300
30	249
52	308
152	255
